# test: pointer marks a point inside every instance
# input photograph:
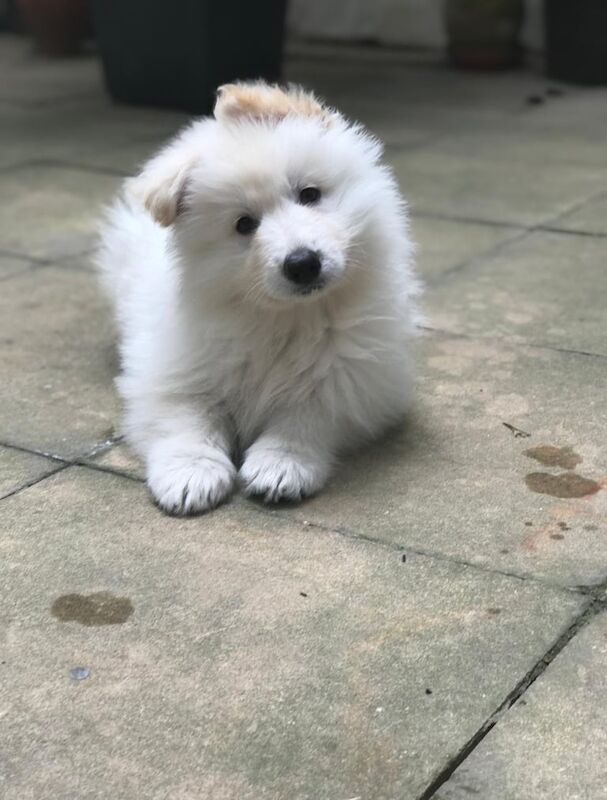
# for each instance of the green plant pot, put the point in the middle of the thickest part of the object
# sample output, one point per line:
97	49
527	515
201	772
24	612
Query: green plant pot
484	34
176	54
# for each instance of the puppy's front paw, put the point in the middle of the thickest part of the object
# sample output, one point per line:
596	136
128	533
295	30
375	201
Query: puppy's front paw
276	475
190	483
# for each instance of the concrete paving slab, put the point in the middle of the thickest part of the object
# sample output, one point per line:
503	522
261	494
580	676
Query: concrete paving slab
100	134
552	743
352	87
455	480
51	212
256	654
410	81
436	180
411	99
580	110
19	469
444	245
524	138
545	289
125	158
57	362
238	656
29	78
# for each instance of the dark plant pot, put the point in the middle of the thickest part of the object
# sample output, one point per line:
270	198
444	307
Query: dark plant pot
576	40
9	18
484	34
176	54
58	27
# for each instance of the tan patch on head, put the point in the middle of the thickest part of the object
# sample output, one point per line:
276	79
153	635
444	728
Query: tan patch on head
264	101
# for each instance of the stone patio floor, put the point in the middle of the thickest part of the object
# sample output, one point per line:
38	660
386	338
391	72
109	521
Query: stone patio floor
431	626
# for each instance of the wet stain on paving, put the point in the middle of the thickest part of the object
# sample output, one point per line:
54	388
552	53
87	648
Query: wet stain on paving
100	608
551	456
567	484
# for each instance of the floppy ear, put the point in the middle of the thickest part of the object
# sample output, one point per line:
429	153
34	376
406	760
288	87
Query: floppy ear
268	102
160	186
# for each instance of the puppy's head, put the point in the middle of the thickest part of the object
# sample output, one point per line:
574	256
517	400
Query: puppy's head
273	197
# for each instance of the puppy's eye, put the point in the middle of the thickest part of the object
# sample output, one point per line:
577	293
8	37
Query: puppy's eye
309	196
246	225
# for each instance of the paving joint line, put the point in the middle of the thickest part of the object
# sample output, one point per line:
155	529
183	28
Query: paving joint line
62	463
17	490
60	101
35	260
58	163
467	263
308	50
593	608
573	232
53	261
59	262
108	471
33	452
442	216
99	447
508	343
493	223
403	548
29	269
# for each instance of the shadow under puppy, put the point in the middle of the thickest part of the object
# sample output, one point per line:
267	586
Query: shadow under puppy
260	271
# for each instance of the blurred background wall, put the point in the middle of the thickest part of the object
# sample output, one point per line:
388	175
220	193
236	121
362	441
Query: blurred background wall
415	23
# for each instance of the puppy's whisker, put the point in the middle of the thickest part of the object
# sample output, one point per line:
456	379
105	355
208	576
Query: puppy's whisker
255	289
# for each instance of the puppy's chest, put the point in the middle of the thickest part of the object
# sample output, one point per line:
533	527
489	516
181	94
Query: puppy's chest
271	367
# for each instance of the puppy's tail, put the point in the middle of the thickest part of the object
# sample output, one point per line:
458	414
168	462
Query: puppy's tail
132	248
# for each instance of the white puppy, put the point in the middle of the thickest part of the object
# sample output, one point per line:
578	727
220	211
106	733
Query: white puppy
261	273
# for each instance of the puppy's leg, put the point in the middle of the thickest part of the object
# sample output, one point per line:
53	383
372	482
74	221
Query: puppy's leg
186	447
292	458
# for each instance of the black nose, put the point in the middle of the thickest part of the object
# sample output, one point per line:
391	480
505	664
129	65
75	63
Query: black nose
302	266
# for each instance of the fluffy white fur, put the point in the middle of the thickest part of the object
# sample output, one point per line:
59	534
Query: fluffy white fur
229	371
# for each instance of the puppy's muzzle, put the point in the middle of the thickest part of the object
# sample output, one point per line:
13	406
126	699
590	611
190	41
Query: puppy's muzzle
302	267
